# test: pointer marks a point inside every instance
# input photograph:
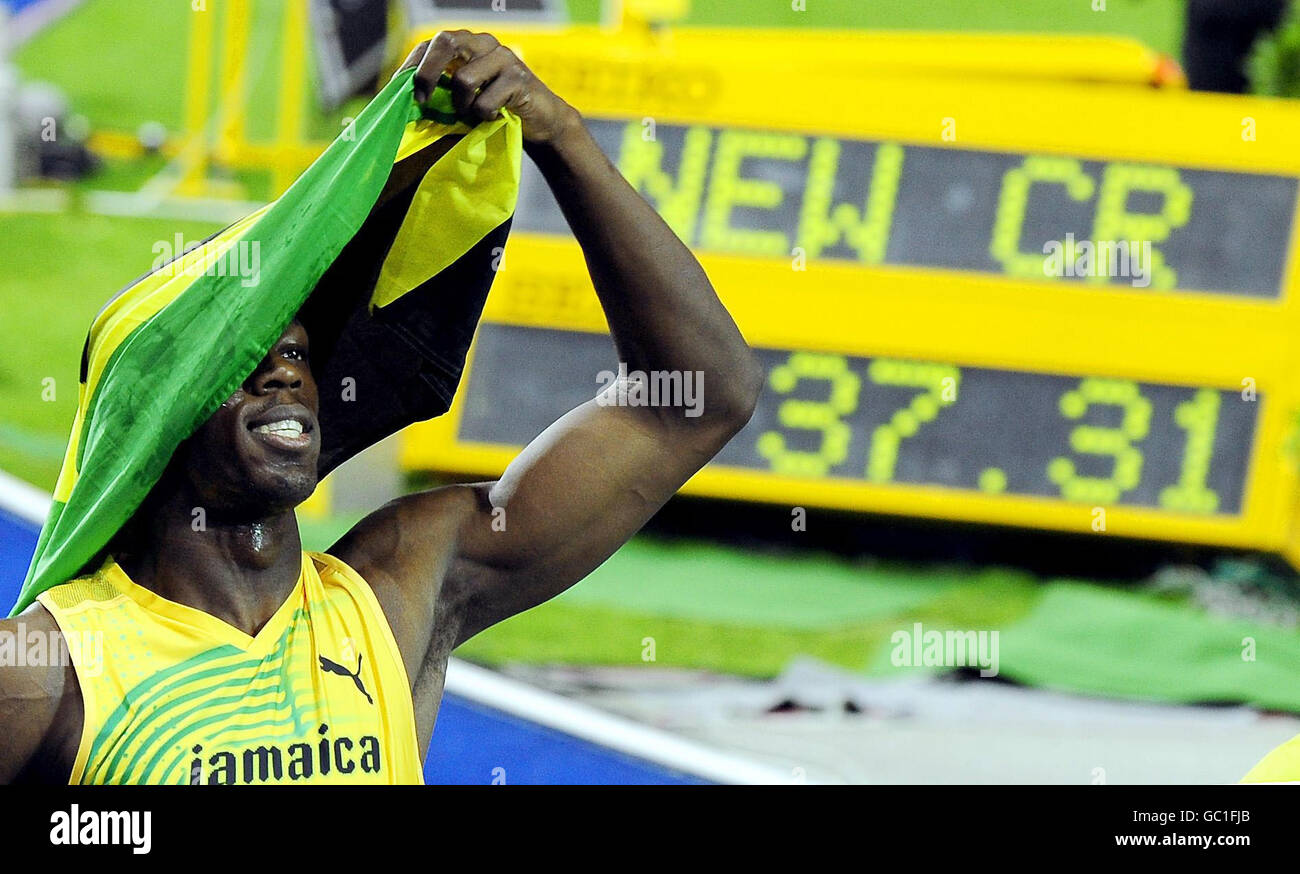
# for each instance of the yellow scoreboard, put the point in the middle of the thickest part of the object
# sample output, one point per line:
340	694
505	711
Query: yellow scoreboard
1030	303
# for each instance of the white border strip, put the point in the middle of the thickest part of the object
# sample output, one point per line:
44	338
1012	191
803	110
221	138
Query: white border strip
29	22
126	204
491	689
23	499
603	729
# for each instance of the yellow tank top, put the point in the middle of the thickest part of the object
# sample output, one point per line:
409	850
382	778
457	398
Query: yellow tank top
174	695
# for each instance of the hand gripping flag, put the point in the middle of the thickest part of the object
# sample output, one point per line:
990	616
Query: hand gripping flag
385	249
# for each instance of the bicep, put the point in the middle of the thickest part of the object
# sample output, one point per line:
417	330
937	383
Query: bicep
569	500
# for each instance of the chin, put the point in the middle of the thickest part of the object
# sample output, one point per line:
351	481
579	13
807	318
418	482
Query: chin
267	492
291	493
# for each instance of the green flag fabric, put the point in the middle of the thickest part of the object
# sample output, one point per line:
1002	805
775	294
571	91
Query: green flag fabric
384	248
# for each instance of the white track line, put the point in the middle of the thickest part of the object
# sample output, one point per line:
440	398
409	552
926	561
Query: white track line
127	204
23	499
30	21
603	729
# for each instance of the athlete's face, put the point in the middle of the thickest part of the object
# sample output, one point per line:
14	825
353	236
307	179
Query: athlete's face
257	453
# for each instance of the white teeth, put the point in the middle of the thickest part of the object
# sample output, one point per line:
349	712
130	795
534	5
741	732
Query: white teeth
284	427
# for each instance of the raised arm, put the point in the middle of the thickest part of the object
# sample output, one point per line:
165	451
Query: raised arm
591	480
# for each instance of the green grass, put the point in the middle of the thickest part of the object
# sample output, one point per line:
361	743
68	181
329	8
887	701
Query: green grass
559	632
568	630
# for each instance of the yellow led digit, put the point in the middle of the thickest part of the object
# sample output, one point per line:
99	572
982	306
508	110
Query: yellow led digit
993	480
1199	417
885	440
1096	440
678	201
822	225
1114	223
729	189
825	416
1013	202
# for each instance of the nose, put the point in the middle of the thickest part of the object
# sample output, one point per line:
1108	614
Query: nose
275	375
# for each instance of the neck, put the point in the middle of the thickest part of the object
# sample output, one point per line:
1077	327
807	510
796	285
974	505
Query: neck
239	569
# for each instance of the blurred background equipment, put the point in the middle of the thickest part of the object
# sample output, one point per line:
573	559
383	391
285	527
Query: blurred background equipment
1219	38
39	135
216	105
351	39
51	139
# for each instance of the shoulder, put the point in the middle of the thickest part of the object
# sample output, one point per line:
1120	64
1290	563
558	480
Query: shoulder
32	683
409	554
40	699
409	540
335	572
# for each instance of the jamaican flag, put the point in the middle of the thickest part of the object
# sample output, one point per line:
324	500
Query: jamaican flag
384	248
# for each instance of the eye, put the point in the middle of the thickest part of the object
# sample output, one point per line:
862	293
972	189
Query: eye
296	354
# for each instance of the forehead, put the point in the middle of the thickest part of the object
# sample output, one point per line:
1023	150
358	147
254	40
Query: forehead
295	331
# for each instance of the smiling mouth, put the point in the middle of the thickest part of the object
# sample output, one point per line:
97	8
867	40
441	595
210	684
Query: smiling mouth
283	434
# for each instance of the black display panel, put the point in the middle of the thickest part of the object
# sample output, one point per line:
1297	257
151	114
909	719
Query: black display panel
1053	218
1088	440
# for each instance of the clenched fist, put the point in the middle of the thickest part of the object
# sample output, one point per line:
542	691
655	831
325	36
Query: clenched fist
487	77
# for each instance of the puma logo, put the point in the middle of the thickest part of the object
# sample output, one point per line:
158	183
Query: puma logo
330	667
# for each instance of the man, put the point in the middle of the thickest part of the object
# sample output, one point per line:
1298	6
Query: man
231	656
